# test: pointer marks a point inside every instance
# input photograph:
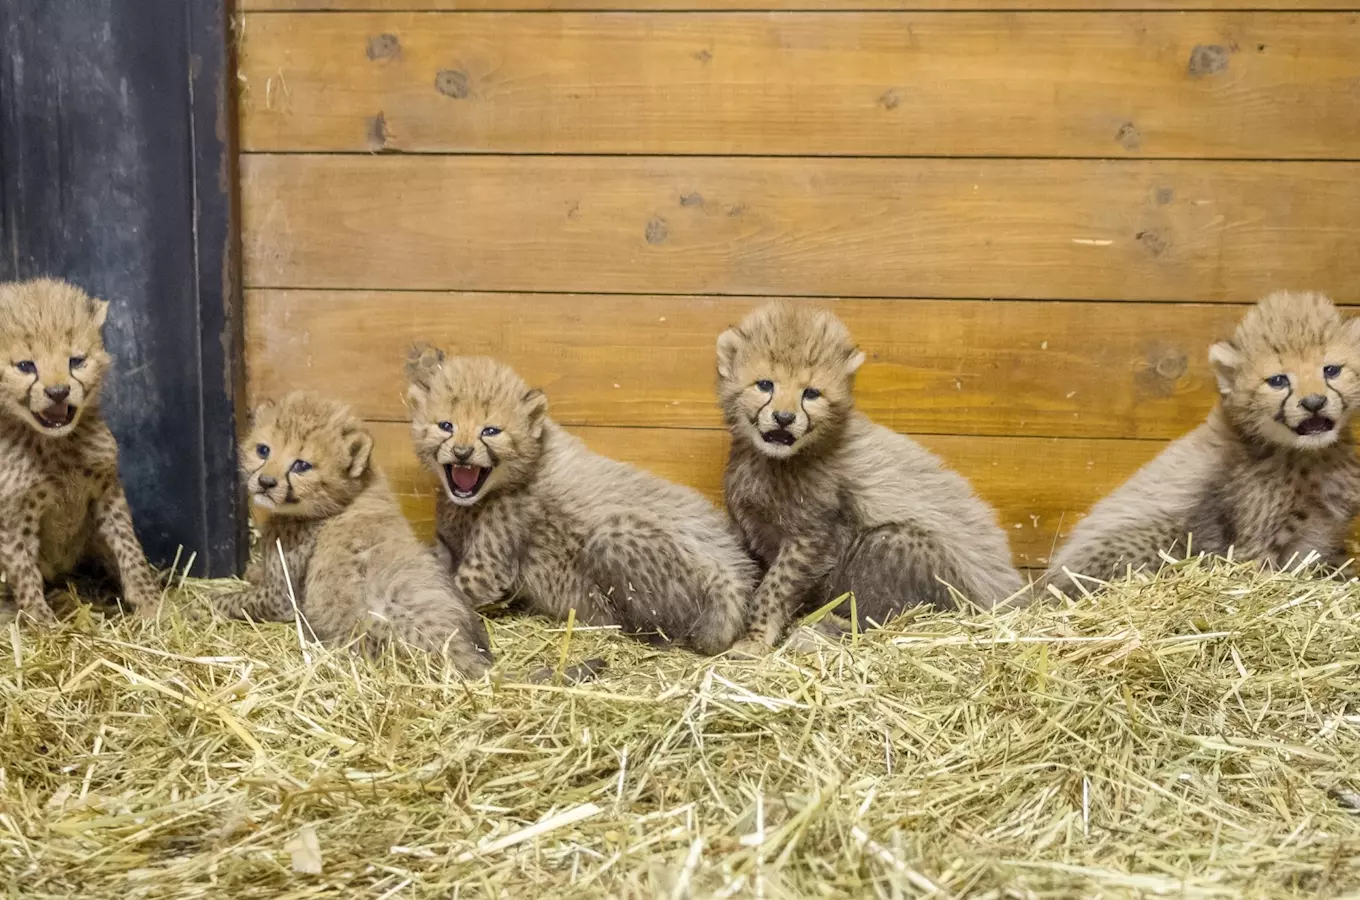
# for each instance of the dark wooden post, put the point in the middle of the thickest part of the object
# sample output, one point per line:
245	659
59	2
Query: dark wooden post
117	171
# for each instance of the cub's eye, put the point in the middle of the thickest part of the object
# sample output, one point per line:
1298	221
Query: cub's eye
765	385
262	451
490	431
77	362
1278	382
28	367
299	466
811	394
1331	371
446	426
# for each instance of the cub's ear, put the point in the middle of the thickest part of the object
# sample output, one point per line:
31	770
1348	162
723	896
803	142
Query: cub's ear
1352	328
729	342
422	362
535	405
1225	360
359	444
854	361
99	311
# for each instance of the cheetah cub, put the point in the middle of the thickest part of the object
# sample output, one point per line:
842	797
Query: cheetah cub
355	566
828	501
527	512
1271	474
61	502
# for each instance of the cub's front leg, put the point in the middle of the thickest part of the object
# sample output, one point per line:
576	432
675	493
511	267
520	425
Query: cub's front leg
113	528
19	561
264	599
798	567
486	572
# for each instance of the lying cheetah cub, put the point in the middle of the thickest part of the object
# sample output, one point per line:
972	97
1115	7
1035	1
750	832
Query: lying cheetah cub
60	498
355	566
830	502
1272	473
528	512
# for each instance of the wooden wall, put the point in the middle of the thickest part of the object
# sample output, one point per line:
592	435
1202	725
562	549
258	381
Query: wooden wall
1035	216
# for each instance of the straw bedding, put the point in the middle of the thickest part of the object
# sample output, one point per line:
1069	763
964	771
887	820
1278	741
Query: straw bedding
1195	735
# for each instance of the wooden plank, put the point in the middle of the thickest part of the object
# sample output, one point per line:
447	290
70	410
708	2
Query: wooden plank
935	366
790	5
1040	486
1228	85
1038	229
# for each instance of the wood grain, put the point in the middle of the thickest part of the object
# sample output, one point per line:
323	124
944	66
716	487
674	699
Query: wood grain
951	367
789	5
1040	229
1039	486
1226	85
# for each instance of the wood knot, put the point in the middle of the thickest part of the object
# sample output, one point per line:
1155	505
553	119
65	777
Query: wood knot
453	83
1153	242
384	46
889	99
1129	137
1206	59
657	230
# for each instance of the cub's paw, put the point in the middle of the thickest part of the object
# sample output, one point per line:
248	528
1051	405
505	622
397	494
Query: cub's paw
748	648
39	614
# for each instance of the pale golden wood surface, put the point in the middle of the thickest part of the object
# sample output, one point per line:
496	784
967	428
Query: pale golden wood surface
935	366
785	5
1057	229
1243	85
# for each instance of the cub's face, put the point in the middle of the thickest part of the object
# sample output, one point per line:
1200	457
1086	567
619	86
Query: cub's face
474	423
1294	395
786	380
305	457
52	354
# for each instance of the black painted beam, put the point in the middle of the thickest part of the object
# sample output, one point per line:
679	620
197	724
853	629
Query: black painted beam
117	173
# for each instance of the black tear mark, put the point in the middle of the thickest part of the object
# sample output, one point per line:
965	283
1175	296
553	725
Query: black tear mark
704	55
1206	59
377	133
657	230
692	198
452	83
1129	137
1153	242
1165	195
384	46
889	99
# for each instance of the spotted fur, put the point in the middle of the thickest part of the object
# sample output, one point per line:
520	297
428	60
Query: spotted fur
828	501
61	502
355	567
527	512
1261	476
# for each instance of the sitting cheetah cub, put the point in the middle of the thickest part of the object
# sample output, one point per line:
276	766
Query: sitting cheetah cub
528	512
828	501
1271	474
60	498
355	566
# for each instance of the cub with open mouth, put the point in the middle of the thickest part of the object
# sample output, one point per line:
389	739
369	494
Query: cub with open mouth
527	512
354	566
1272	474
61	501
831	503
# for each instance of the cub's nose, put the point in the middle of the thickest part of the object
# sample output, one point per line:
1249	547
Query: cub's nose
268	482
1313	402
58	393
462	454
784	419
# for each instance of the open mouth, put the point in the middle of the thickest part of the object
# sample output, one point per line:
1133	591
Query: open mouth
1314	425
465	481
780	436
58	415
